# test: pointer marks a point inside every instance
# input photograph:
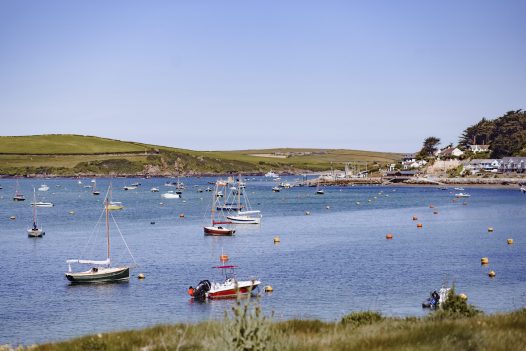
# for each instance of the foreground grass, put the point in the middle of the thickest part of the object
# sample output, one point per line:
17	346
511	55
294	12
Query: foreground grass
491	332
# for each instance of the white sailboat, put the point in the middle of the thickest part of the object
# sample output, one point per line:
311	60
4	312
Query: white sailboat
215	228
101	270
94	190
35	231
319	191
18	196
43	187
247	216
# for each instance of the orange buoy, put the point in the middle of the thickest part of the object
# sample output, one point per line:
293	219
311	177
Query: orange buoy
223	258
415	218
484	261
389	236
419	225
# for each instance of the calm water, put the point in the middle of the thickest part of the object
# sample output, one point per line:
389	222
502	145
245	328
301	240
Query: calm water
329	263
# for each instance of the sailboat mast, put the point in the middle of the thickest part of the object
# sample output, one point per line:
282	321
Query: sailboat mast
239	193
34	206
108	227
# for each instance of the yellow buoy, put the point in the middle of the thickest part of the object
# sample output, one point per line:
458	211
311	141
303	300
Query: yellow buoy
419	225
268	288
510	241
492	274
463	297
484	260
277	239
140	276
181	215
490	229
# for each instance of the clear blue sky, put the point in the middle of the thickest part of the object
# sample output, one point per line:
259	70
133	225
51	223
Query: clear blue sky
375	75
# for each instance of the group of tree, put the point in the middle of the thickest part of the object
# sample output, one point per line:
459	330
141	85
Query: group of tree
506	135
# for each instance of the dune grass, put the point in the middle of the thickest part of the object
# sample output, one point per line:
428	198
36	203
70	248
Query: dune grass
368	331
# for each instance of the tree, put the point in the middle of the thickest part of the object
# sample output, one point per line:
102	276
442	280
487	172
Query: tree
429	148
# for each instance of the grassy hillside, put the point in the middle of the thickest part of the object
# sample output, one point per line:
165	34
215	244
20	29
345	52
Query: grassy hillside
75	154
358	331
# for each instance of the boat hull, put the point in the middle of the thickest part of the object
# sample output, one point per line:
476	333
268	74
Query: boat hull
229	293
243	220
102	275
38	233
218	231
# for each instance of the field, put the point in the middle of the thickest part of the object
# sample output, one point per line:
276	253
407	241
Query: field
60	154
359	331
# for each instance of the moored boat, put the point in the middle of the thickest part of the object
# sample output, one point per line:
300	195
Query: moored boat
229	288
43	187
42	204
462	195
35	231
170	195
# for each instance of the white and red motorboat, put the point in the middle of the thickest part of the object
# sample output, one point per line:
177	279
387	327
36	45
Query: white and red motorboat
229	288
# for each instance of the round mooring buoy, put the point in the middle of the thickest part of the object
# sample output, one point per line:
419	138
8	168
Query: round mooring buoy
389	236
490	229
509	241
484	260
492	274
277	239
419	225
269	288
140	276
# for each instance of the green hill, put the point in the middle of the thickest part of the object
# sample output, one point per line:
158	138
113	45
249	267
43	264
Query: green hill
66	154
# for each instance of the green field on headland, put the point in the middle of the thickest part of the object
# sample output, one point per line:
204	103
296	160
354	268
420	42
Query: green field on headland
70	155
358	331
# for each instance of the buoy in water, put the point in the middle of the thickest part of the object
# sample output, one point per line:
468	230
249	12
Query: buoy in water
140	276
510	241
12	218
357	202
307	213
435	212
152	222
389	236
268	288
327	207
492	274
415	218
223	258
419	225
484	260
277	239
71	212
431	206
490	229
181	215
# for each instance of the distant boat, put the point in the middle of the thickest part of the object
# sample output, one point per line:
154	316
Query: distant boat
523	190
115	205
170	195
215	229
318	190
18	196
459	189
271	174
42	204
94	190
136	184
154	190
462	195
130	187
276	189
101	271
43	187
35	231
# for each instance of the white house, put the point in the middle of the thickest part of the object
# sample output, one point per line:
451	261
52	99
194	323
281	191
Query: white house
449	152
487	165
479	148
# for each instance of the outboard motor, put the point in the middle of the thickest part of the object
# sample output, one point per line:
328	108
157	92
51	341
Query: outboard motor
201	289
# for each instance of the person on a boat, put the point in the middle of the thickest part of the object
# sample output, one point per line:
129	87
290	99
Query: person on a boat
35	226
191	291
436	298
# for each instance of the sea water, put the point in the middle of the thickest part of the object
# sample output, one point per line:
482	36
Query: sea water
332	262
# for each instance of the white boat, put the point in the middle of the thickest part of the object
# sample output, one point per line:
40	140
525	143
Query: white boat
523	190
43	187
94	190
42	204
170	195
276	189
216	228
459	189
319	191
115	205
18	196
247	216
101	271
462	195
130	187
154	190
35	231
271	174
229	288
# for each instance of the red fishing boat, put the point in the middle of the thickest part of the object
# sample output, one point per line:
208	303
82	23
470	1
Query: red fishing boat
229	288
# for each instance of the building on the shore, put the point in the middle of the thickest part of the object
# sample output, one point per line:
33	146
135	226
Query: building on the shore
479	148
449	152
478	165
513	164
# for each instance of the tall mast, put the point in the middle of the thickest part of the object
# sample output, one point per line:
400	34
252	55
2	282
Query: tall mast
108	227
239	193
214	201
34	206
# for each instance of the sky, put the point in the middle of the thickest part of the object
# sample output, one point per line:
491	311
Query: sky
221	75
